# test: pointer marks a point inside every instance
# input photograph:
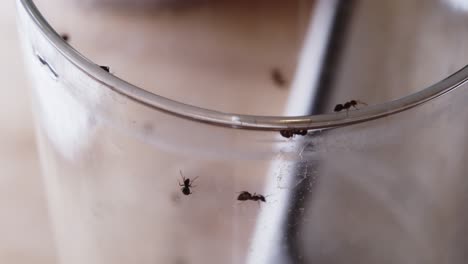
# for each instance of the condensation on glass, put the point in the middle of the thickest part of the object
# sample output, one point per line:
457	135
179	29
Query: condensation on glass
388	190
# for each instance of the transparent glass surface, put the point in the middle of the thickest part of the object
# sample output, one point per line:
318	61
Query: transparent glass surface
384	184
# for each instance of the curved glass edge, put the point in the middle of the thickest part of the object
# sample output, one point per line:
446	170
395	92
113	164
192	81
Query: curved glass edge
198	114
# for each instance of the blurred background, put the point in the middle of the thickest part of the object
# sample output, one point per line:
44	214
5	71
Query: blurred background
25	233
241	82
390	52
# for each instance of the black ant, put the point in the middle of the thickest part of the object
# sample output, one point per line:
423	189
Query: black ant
346	106
258	197
278	77
65	37
288	133
106	68
186	185
244	196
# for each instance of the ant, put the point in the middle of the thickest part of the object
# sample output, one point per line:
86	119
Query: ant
291	132
65	37
106	68
186	184
346	106
258	197
244	196
278	77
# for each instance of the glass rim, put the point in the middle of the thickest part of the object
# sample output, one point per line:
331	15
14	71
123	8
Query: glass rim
242	121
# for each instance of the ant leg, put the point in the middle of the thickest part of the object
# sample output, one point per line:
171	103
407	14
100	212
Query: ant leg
192	181
180	184
183	178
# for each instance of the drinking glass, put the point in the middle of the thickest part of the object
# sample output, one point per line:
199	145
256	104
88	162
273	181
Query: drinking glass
133	176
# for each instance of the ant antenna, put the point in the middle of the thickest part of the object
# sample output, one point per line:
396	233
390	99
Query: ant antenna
193	180
361	102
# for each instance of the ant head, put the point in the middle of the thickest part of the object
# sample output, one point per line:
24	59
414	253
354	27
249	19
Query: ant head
65	37
186	181
106	68
286	133
353	102
259	197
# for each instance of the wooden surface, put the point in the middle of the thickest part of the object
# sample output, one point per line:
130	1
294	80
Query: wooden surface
222	60
218	56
